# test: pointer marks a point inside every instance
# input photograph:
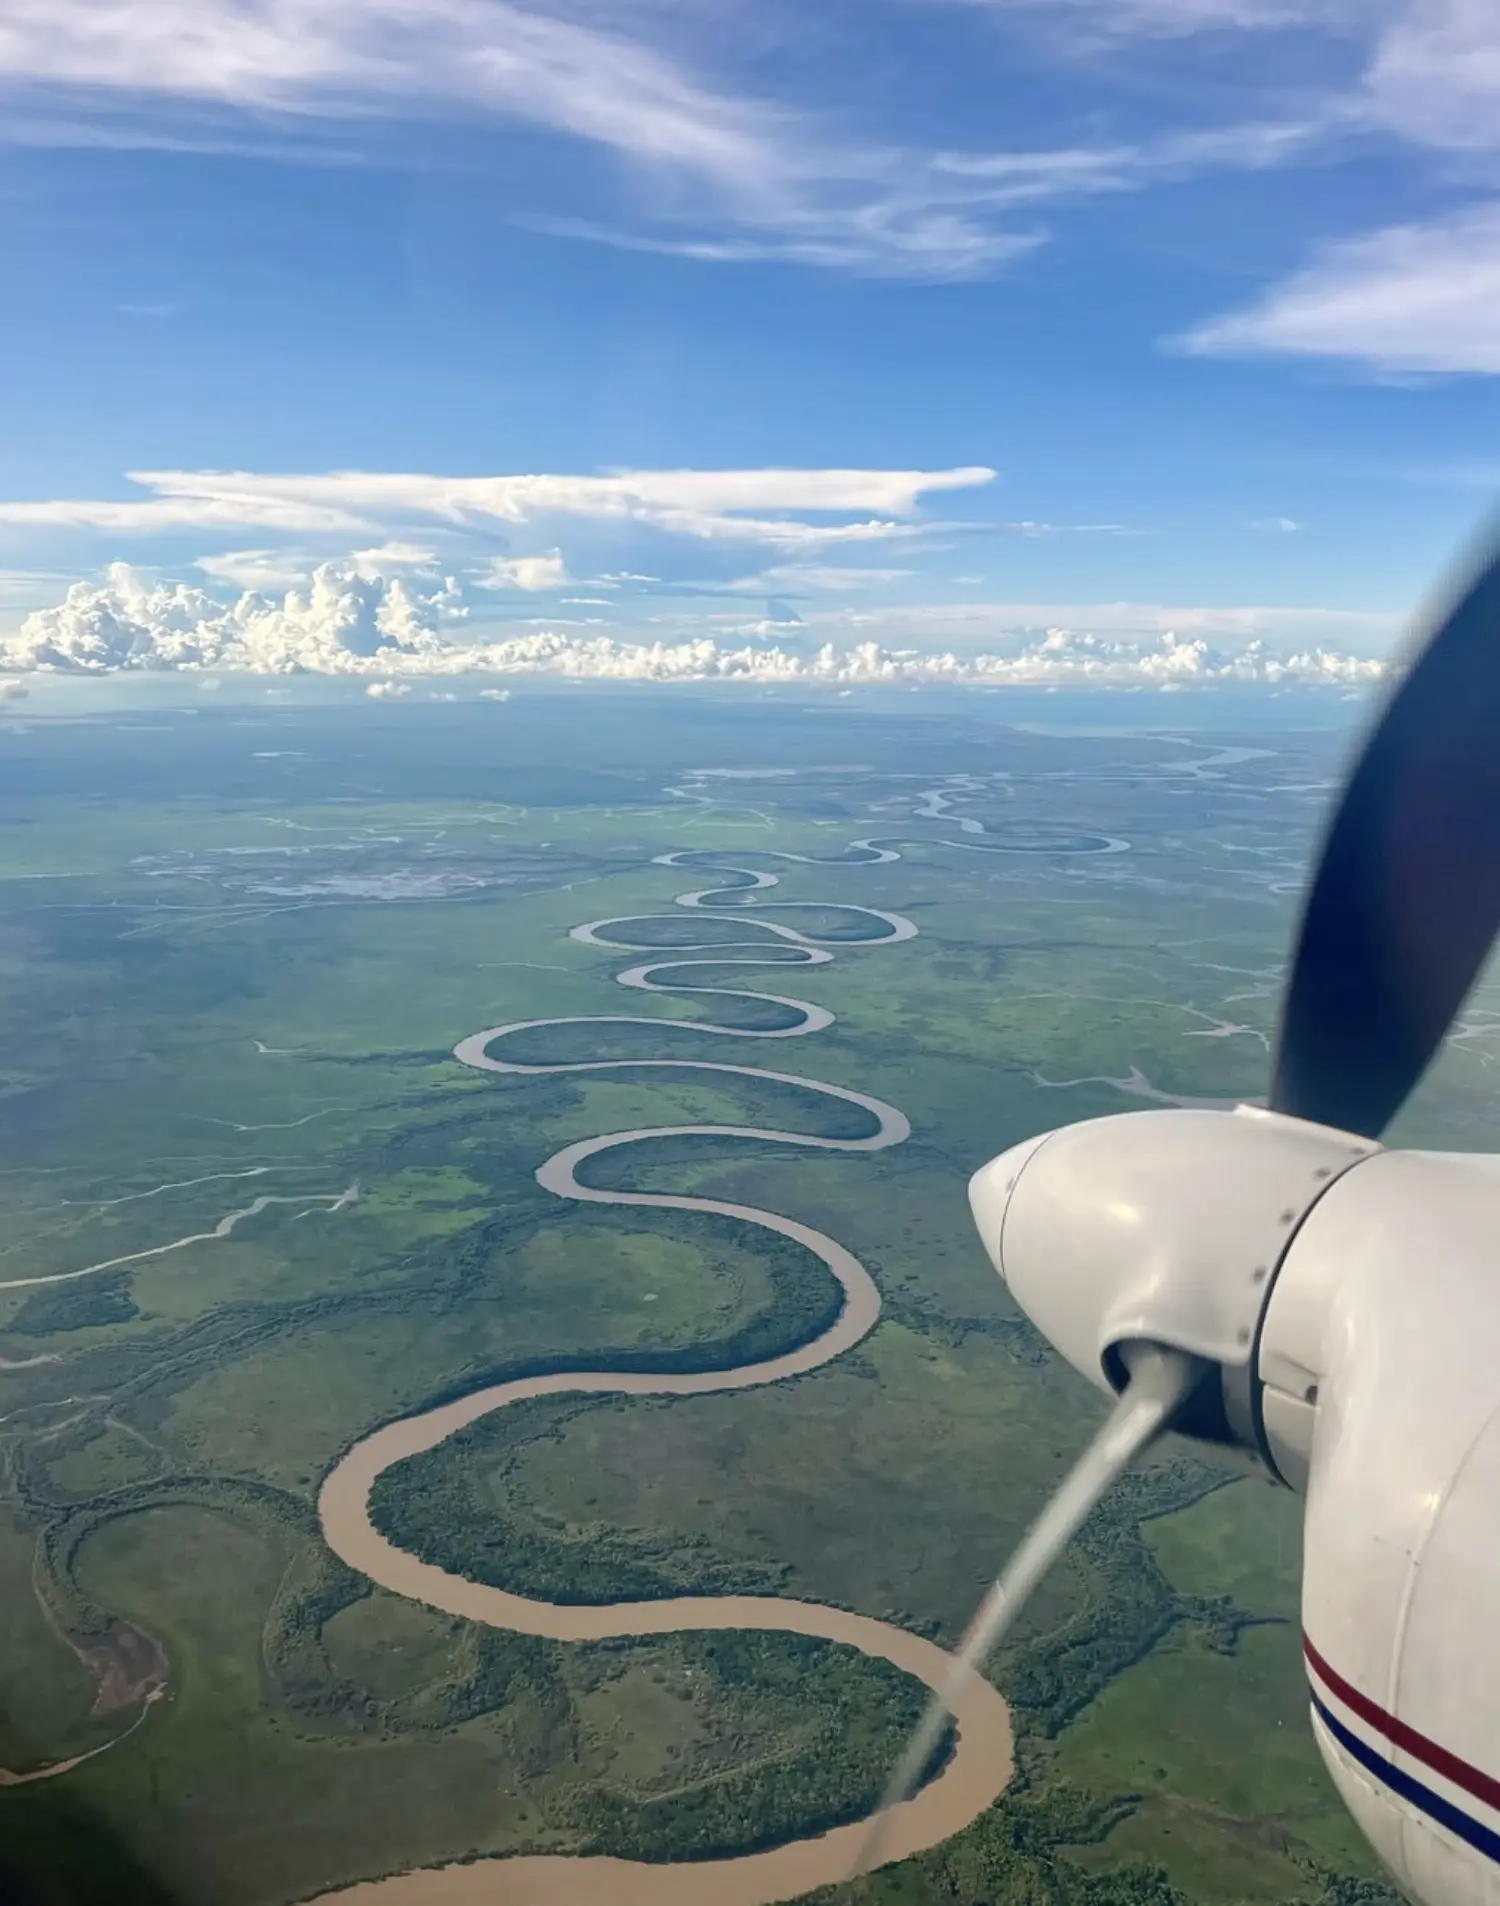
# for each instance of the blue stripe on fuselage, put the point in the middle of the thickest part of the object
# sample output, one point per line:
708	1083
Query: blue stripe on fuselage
1472	1832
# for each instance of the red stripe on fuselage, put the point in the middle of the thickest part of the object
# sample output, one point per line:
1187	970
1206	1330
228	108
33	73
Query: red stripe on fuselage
1482	1786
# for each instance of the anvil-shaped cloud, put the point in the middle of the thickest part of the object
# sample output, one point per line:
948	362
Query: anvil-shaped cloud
747	506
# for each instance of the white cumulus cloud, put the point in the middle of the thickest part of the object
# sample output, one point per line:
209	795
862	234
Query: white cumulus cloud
341	624
972	627
393	633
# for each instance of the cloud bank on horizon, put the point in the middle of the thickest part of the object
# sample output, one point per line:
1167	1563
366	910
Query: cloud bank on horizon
393	630
422	591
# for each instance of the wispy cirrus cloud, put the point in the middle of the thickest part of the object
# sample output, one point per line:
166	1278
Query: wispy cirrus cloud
1423	75
712	170
26	588
1426	71
352	59
1411	299
719	173
547	571
820	578
273	569
708	166
255	568
1168	19
1435	74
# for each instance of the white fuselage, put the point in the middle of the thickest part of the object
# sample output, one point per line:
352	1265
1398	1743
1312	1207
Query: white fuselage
1349	1299
1388	1304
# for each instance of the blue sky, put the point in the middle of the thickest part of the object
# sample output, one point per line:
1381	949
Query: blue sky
1210	287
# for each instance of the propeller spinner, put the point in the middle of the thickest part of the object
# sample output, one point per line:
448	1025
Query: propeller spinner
1200	1266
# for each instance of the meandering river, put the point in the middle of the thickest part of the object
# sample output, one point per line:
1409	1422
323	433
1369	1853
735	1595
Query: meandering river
980	1764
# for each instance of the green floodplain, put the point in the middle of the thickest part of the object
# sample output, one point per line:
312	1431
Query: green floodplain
253	1208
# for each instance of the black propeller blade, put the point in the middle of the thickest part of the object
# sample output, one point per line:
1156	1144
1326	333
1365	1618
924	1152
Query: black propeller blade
1406	901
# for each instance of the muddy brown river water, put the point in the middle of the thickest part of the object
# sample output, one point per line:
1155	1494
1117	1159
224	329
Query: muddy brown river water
980	1764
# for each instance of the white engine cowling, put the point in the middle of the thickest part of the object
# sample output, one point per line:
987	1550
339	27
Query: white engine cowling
1163	1226
1351	1299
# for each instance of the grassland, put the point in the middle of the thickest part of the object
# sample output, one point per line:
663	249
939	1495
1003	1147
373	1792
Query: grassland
238	975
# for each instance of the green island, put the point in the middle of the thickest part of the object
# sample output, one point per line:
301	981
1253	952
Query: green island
255	1209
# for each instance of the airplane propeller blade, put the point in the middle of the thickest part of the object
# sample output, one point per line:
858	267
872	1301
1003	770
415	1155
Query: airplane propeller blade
1399	918
1160	1382
1406	900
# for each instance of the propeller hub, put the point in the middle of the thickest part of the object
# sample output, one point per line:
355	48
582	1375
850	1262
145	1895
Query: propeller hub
1163	1227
